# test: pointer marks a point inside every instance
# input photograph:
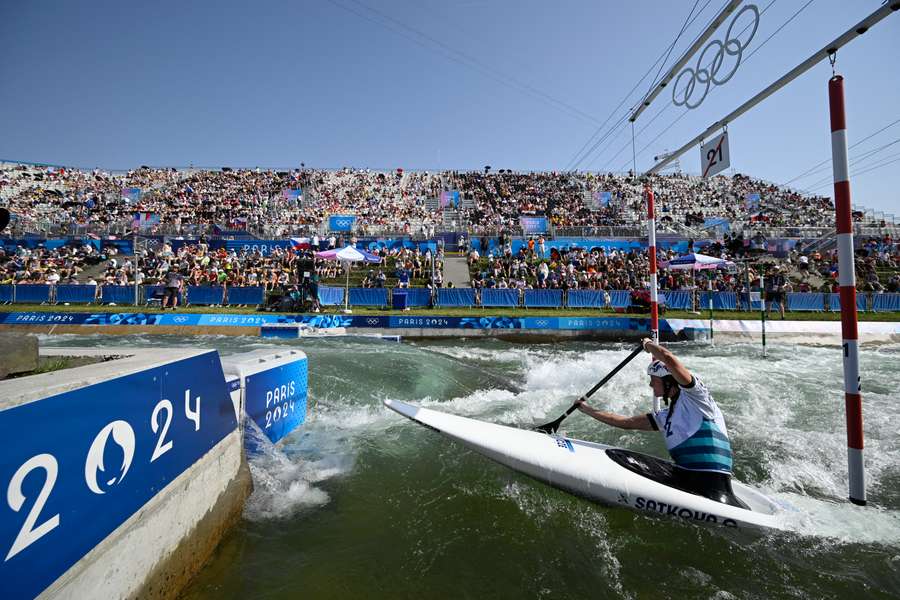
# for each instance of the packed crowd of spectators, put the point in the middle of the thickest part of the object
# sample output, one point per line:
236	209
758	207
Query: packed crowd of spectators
265	201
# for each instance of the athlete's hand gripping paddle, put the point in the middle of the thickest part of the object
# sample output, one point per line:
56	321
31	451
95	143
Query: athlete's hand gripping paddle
553	426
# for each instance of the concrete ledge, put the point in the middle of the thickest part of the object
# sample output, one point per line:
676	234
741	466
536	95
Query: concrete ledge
158	549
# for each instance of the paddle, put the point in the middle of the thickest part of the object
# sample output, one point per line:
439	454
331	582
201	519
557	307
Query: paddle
552	426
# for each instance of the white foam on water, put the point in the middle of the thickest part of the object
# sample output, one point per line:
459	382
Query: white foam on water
283	486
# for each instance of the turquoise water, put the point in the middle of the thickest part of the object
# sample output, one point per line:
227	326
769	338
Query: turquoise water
361	503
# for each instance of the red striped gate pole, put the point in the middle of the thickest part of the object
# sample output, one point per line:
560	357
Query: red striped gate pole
847	282
651	243
654	298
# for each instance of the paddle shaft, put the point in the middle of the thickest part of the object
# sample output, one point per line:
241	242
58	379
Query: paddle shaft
554	425
609	376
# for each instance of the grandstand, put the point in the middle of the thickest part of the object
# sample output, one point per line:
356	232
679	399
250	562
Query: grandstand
490	216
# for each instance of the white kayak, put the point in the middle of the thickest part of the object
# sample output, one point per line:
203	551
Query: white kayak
601	473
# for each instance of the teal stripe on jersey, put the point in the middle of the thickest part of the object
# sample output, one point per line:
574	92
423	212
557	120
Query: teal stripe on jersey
707	449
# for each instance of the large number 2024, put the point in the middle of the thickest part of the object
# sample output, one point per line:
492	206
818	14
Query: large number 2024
15	497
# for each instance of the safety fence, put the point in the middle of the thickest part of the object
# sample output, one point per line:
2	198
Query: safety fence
402	298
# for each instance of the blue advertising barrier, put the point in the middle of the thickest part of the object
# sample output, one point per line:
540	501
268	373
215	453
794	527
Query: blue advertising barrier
885	302
36	293
620	298
834	302
117	294
543	298
330	296
586	299
76	294
418	297
721	300
205	294
108	449
495	297
253	295
6	293
276	398
798	301
368	297
677	299
456	297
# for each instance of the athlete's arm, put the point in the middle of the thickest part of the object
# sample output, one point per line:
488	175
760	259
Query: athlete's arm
678	370
622	422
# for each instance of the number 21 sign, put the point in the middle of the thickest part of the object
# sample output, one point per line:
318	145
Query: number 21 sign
714	155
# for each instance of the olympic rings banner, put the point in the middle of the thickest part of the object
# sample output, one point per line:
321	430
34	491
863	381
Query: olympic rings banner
709	74
341	222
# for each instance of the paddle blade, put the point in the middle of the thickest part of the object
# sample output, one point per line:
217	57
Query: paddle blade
550	427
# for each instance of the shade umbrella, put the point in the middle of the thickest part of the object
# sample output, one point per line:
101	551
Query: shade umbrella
695	262
348	254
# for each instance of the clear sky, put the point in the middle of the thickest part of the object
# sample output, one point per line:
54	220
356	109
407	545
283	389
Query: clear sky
429	85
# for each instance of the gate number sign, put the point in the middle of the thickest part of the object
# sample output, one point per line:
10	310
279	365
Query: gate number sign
714	156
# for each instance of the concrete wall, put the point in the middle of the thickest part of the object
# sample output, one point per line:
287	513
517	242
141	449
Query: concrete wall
124	474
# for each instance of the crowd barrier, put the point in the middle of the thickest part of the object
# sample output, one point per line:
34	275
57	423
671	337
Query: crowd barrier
445	298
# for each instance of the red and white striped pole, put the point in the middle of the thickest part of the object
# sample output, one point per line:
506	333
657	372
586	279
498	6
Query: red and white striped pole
847	282
651	248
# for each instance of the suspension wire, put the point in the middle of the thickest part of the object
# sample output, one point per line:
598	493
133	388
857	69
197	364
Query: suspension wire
457	56
856	159
744	61
815	167
862	172
672	47
575	161
640	131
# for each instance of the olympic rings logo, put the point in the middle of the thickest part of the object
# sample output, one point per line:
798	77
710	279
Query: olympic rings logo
732	46
343	222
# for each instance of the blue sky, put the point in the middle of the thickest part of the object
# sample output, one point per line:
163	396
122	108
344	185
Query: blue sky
427	85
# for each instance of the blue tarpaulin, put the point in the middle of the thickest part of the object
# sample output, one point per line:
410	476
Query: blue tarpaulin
329	296
368	296
495	297
543	298
805	301
456	297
